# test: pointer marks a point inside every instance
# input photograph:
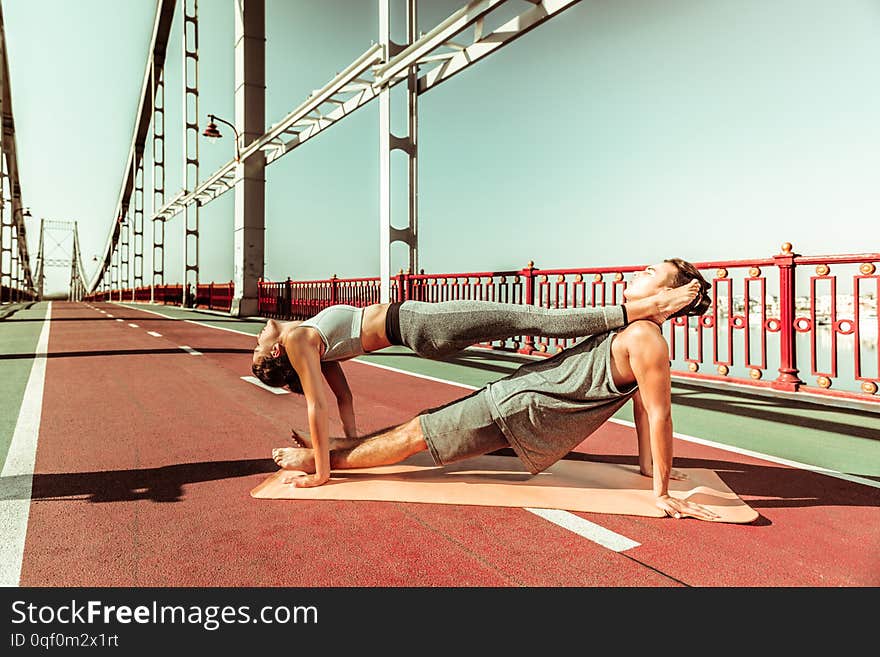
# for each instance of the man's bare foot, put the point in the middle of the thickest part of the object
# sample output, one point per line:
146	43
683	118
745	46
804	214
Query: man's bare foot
294	458
304	441
671	301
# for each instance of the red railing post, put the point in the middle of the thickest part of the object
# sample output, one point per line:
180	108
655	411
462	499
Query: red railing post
788	373
528	275
408	284
334	290
400	280
288	295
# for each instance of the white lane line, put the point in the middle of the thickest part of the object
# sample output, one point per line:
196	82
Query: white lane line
154	334
109	315
133	325
118	320
190	350
758	455
17	476
192	321
219	328
260	384
419	376
585	528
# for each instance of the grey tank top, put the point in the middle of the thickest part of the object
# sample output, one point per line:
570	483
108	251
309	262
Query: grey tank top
340	329
548	407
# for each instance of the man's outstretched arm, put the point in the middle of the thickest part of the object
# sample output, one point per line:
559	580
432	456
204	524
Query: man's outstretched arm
650	364
643	433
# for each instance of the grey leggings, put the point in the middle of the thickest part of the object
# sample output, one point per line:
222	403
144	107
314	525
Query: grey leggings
435	330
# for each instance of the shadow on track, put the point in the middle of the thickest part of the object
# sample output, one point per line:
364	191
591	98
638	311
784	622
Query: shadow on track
164	484
760	486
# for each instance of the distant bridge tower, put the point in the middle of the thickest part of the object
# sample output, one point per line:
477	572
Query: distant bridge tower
59	236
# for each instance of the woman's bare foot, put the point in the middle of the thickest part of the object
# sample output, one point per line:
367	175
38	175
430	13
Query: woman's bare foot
671	301
294	458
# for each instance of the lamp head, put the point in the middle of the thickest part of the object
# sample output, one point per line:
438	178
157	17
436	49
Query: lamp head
212	131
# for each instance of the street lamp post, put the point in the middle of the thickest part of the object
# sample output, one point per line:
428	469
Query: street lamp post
212	132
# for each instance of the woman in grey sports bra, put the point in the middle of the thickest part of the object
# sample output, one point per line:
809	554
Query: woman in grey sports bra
303	354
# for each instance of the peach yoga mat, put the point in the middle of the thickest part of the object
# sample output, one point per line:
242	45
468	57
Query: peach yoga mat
503	481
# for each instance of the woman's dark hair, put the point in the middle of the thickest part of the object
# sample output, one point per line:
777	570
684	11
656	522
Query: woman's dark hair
686	273
277	372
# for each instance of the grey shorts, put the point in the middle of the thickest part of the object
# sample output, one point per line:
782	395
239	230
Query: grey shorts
461	429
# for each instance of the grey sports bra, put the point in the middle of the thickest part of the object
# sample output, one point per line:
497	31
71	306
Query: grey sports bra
340	328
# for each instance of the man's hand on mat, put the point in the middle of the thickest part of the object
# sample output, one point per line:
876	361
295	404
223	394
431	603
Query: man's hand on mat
676	508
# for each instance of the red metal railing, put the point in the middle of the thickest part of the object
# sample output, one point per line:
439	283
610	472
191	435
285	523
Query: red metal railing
774	322
211	296
765	315
303	299
14	294
744	331
214	296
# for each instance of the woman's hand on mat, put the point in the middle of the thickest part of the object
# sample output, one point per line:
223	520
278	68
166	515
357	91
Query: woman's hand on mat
676	508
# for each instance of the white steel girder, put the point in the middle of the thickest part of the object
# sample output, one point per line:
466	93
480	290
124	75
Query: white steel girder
408	144
14	259
249	214
190	77
137	214
157	87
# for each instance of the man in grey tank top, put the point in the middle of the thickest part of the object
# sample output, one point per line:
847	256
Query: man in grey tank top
546	408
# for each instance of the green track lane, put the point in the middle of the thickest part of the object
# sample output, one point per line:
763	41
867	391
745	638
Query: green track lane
19	334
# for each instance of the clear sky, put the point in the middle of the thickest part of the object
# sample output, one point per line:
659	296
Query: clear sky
616	133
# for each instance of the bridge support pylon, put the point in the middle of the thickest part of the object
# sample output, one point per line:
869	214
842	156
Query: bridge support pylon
250	175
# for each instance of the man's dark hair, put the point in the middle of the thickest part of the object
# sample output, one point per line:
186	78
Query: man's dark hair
277	372
685	273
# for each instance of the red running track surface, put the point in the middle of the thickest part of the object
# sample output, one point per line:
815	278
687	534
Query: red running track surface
147	454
